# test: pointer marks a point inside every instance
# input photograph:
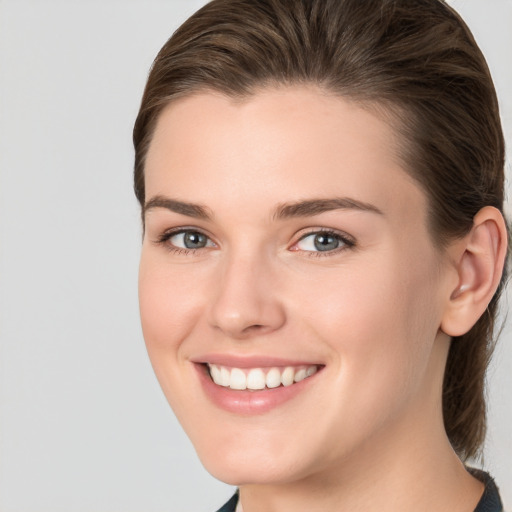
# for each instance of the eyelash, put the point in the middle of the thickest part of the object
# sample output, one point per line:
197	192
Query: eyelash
347	242
164	238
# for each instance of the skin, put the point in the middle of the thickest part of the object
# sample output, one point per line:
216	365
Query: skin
367	432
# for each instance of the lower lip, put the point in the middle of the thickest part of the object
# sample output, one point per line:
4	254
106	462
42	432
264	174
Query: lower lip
248	402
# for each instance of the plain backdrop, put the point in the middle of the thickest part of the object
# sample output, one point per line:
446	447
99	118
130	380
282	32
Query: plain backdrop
83	423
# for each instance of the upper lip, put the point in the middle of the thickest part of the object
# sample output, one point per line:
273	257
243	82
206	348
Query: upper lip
253	361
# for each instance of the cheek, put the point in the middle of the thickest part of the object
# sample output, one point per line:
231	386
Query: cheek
379	330
170	306
170	302
379	321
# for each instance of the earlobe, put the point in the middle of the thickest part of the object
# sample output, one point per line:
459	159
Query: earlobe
479	268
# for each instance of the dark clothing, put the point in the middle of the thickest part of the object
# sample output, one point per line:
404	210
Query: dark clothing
230	506
490	501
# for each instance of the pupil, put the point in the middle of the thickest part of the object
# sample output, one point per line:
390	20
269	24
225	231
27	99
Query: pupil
326	242
194	240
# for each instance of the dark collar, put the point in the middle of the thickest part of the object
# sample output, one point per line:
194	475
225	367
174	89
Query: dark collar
230	506
490	500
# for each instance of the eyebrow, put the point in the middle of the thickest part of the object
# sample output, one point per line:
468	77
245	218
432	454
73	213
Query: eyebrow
317	206
305	208
196	211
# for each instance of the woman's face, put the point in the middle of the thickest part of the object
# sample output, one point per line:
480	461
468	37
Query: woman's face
286	250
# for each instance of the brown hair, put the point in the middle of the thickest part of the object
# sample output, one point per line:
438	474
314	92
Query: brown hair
415	58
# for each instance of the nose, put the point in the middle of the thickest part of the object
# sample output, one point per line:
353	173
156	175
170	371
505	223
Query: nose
246	299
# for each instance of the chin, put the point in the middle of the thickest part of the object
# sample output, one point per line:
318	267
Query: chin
243	471
256	462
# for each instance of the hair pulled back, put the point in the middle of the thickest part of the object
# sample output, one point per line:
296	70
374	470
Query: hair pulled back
414	59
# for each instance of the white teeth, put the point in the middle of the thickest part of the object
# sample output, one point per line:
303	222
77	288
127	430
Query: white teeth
215	373
225	377
287	376
300	375
311	370
273	379
255	378
238	379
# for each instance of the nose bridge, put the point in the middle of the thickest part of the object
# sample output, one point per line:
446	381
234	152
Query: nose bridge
245	300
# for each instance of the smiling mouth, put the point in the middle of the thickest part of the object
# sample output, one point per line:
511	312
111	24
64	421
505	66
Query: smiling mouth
254	379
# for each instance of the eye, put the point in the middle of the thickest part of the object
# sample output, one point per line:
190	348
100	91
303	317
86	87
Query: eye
323	241
186	240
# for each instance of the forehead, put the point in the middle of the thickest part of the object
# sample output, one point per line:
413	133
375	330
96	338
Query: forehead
286	143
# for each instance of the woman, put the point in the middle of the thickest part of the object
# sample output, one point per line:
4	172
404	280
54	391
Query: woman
321	184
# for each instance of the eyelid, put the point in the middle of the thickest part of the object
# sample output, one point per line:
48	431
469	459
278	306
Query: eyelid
164	237
347	240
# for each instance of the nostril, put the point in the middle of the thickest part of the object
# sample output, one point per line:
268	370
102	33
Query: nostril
253	328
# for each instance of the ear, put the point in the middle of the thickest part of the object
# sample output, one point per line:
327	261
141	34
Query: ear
479	263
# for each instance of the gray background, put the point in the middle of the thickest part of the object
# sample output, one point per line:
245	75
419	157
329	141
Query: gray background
83	423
